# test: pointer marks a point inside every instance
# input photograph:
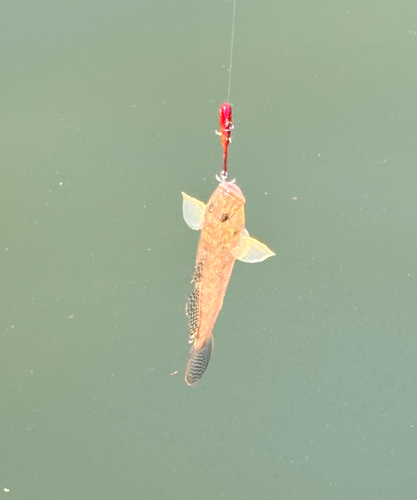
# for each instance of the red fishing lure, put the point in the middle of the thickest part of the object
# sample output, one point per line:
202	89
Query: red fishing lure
226	126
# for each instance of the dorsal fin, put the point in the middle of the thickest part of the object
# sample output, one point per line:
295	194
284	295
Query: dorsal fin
192	307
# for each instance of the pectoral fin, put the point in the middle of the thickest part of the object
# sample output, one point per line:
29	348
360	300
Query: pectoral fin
251	250
193	211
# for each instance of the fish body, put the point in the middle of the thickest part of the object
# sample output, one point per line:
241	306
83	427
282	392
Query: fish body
223	240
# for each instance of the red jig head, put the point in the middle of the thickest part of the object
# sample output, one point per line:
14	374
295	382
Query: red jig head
226	126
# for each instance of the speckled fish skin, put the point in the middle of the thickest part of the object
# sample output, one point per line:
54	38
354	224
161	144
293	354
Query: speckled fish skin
222	228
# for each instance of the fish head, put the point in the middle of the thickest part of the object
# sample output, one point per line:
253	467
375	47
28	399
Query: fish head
225	213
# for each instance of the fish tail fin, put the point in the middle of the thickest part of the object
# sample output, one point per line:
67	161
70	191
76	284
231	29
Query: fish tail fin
198	362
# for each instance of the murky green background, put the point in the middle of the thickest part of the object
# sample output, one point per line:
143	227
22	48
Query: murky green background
108	111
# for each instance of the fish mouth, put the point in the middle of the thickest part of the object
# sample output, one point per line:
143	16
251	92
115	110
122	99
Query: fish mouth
232	190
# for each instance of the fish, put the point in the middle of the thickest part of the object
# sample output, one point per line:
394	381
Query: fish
223	240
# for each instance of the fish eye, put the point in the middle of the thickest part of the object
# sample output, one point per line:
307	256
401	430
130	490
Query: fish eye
224	217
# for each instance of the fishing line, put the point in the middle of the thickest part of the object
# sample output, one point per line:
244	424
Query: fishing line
225	111
231	50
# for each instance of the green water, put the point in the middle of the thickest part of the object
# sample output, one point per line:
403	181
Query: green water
108	111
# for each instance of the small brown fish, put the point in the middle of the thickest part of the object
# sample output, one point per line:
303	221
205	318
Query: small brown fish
223	240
